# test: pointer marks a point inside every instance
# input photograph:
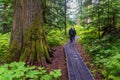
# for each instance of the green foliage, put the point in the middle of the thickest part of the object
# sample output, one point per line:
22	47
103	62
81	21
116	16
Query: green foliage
4	44
18	71
105	54
101	12
103	15
6	15
111	67
54	15
53	75
56	37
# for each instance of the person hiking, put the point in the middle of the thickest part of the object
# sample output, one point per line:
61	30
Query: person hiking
72	33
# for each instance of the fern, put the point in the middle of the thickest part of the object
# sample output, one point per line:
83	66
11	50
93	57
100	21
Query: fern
18	71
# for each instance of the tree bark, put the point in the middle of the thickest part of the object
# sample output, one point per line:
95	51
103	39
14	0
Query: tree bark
65	8
28	41
98	11
4	18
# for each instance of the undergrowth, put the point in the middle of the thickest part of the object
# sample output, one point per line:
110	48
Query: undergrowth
18	71
104	53
4	45
56	37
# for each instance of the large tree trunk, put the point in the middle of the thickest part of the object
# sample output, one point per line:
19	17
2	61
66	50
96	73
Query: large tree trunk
28	41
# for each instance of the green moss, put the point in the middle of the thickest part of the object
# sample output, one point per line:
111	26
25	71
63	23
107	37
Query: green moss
34	43
23	57
47	57
13	51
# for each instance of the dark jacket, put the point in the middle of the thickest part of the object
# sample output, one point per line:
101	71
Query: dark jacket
72	32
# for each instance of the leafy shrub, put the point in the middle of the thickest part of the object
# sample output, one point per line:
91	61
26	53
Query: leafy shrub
111	68
56	37
104	53
4	44
18	71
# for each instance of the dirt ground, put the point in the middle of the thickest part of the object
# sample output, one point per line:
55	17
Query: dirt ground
59	62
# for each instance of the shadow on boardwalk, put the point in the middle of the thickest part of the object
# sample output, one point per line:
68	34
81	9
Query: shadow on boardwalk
77	70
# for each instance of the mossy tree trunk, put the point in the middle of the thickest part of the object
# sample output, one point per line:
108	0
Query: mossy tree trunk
28	41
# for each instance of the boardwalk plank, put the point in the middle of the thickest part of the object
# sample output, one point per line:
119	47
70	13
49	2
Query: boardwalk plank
70	69
77	70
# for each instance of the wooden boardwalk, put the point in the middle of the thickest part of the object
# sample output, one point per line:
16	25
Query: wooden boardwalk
77	70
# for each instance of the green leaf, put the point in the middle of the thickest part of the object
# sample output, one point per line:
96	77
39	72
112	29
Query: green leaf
2	70
32	74
46	77
56	73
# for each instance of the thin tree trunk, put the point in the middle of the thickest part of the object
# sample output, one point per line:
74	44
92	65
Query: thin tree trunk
44	10
108	12
4	18
98	19
28	41
65	15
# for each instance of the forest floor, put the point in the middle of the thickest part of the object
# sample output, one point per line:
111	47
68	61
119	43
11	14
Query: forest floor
59	62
